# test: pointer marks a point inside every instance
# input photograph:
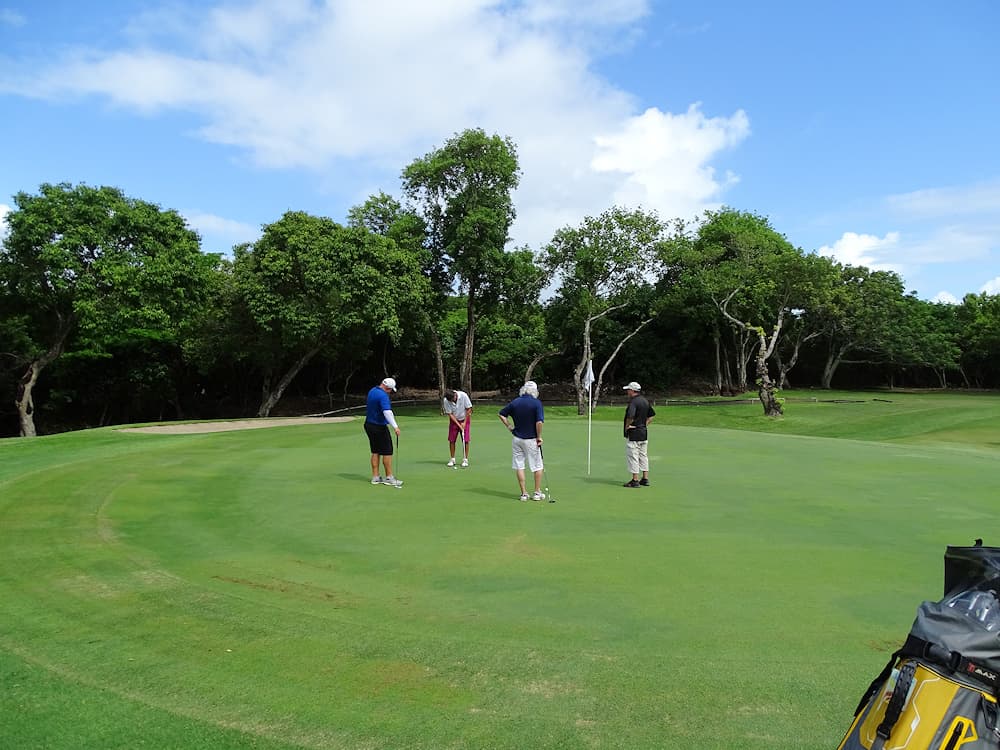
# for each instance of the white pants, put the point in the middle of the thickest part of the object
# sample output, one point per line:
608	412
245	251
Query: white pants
636	456
526	450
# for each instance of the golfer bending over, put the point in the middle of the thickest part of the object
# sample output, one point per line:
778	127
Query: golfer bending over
526	447
458	407
378	417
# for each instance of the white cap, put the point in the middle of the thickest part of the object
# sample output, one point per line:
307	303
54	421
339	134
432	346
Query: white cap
389	383
530	388
633	386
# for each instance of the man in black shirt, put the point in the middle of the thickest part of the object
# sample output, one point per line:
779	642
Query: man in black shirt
637	416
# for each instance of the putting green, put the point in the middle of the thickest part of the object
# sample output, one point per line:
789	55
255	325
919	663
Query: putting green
252	589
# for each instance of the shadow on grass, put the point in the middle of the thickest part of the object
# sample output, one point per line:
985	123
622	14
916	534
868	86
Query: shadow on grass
611	482
496	493
356	476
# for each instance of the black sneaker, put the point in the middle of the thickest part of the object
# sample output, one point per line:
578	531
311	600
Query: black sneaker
631	483
644	482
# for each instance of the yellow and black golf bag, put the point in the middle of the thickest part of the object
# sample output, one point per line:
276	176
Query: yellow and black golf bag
939	691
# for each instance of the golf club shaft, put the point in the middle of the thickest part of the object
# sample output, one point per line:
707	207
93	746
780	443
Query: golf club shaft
545	475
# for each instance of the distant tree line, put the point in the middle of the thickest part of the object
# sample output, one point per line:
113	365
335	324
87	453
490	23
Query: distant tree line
111	313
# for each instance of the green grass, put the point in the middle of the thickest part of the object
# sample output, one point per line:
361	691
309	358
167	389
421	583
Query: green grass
251	589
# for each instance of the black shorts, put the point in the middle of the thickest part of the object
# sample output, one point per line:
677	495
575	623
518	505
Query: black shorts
379	438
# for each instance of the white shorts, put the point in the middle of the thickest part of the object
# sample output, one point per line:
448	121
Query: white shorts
526	450
636	456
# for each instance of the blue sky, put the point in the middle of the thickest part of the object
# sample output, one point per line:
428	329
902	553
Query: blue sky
867	131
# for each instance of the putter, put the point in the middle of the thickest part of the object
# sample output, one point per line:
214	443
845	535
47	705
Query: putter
545	476
400	485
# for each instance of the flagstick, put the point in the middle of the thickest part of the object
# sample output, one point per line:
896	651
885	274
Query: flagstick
590	416
588	380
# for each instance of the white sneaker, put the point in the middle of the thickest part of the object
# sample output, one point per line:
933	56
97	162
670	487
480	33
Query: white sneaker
524	498
451	462
465	463
377	480
538	496
392	482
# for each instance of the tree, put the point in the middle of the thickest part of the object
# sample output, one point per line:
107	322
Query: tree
924	336
463	191
93	264
814	287
603	266
978	320
858	316
512	328
753	275
309	281
386	216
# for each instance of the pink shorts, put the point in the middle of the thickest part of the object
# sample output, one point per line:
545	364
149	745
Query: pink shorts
453	431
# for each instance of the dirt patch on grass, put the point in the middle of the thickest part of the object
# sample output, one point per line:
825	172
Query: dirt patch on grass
236	424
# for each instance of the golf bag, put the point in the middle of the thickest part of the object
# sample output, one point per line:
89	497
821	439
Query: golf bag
939	690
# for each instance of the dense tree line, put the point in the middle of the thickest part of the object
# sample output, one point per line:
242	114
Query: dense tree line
111	313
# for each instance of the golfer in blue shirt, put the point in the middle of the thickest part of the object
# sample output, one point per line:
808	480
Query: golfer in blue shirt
526	448
378	419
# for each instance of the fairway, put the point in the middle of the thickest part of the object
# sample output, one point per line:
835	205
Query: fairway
252	589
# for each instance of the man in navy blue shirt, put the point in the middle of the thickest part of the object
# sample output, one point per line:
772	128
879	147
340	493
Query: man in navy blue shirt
526	447
378	419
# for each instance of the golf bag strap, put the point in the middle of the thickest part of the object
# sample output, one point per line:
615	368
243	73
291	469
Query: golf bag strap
878	682
896	703
952	660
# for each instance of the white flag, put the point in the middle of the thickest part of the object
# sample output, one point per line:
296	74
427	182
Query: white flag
588	376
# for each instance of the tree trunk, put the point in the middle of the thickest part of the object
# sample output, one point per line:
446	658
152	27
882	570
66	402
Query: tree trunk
535	361
271	398
600	376
765	349
439	361
581	409
765	386
783	369
470	341
783	382
718	362
745	354
347	385
833	360
23	399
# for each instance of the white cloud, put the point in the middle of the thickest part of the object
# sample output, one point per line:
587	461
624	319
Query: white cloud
584	12
980	198
992	286
219	229
946	297
4	210
865	250
317	86
663	158
949	244
9	17
927	254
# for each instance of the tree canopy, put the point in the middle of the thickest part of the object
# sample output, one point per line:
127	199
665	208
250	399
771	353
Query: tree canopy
88	268
464	192
110	311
